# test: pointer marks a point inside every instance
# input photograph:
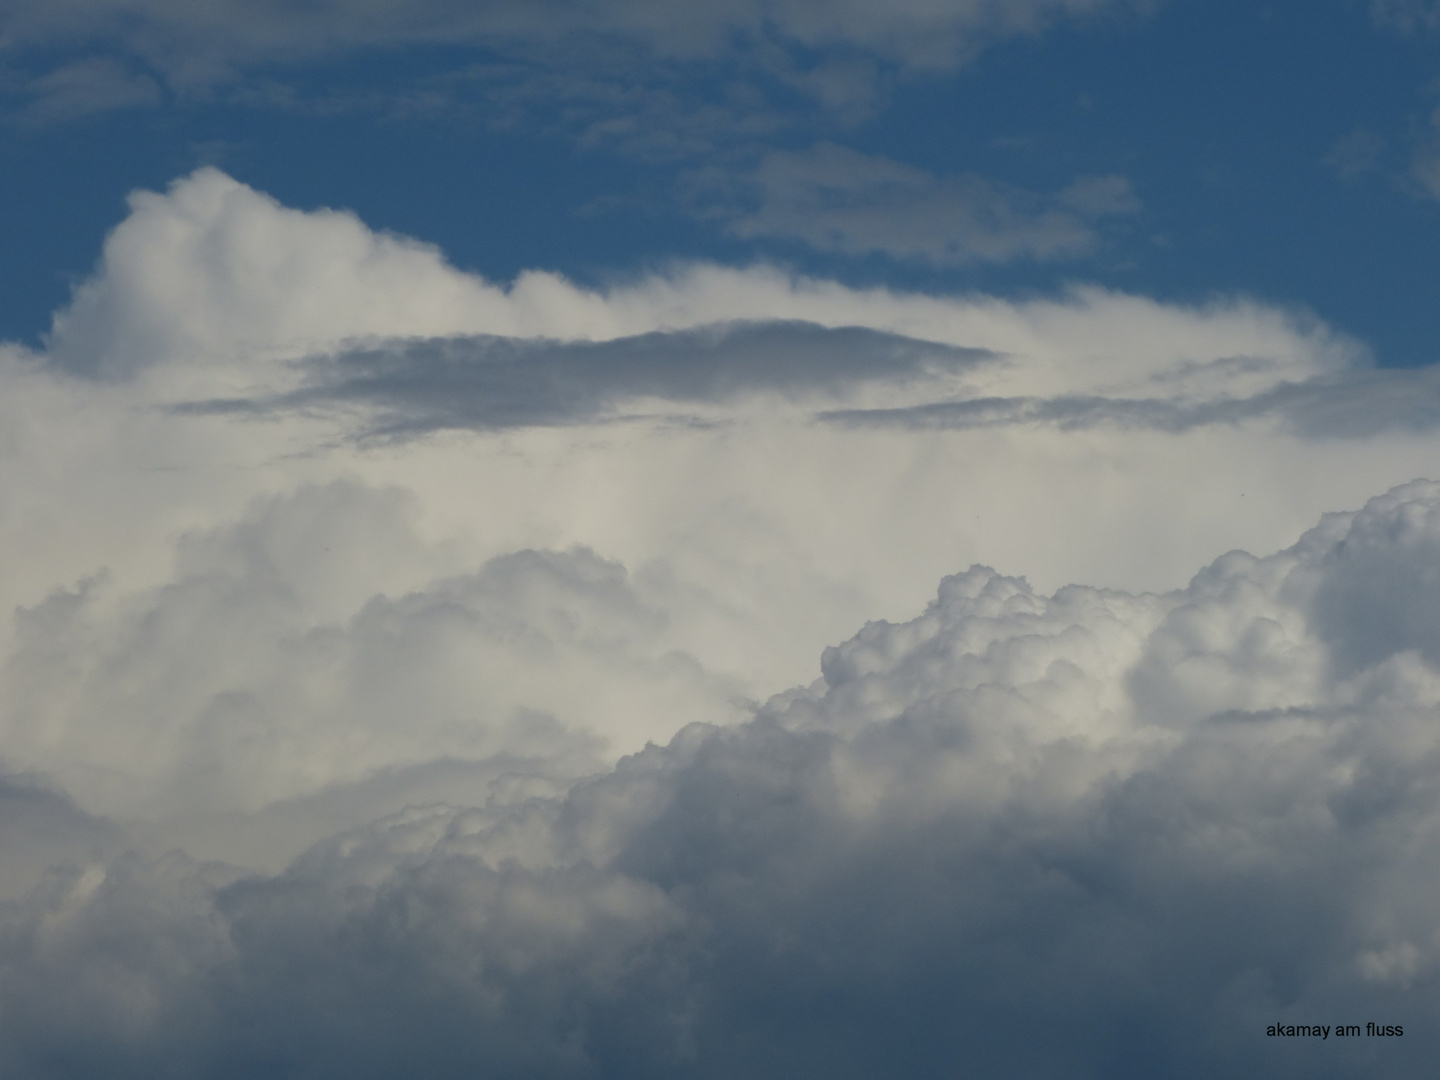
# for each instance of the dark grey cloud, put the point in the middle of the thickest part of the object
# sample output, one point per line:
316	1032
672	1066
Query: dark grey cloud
484	383
1092	834
40	827
488	383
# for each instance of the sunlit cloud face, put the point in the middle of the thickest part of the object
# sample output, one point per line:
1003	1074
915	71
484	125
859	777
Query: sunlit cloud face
407	667
1199	811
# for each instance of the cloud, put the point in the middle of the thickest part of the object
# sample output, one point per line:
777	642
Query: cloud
1355	405
355	282
41	827
517	741
86	87
216	270
627	75
1088	833
493	383
836	199
1356	153
274	667
1406	15
245	623
229	349
407	389
193	42
235	305
1425	162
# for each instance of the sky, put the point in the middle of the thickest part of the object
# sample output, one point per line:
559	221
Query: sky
618	539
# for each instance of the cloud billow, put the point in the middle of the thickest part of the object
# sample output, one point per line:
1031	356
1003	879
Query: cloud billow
1088	834
459	750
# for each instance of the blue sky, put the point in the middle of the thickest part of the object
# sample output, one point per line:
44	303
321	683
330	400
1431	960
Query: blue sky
608	539
1278	150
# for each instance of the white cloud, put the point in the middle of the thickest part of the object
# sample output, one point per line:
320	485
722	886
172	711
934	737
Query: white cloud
215	270
1078	833
214	292
215	267
274	666
392	677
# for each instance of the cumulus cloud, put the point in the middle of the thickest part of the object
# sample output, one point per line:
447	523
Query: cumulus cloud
1089	833
228	348
215	270
470	748
274	668
836	199
231	303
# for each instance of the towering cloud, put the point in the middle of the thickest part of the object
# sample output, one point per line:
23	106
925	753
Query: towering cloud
1093	833
414	673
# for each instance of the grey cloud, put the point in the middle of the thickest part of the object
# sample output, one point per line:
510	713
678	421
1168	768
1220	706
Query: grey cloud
1425	170
1406	15
85	87
1092	834
836	199
487	383
1355	405
1425	163
408	388
1068	412
1356	153
627	74
1101	196
40	827
195	40
645	109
